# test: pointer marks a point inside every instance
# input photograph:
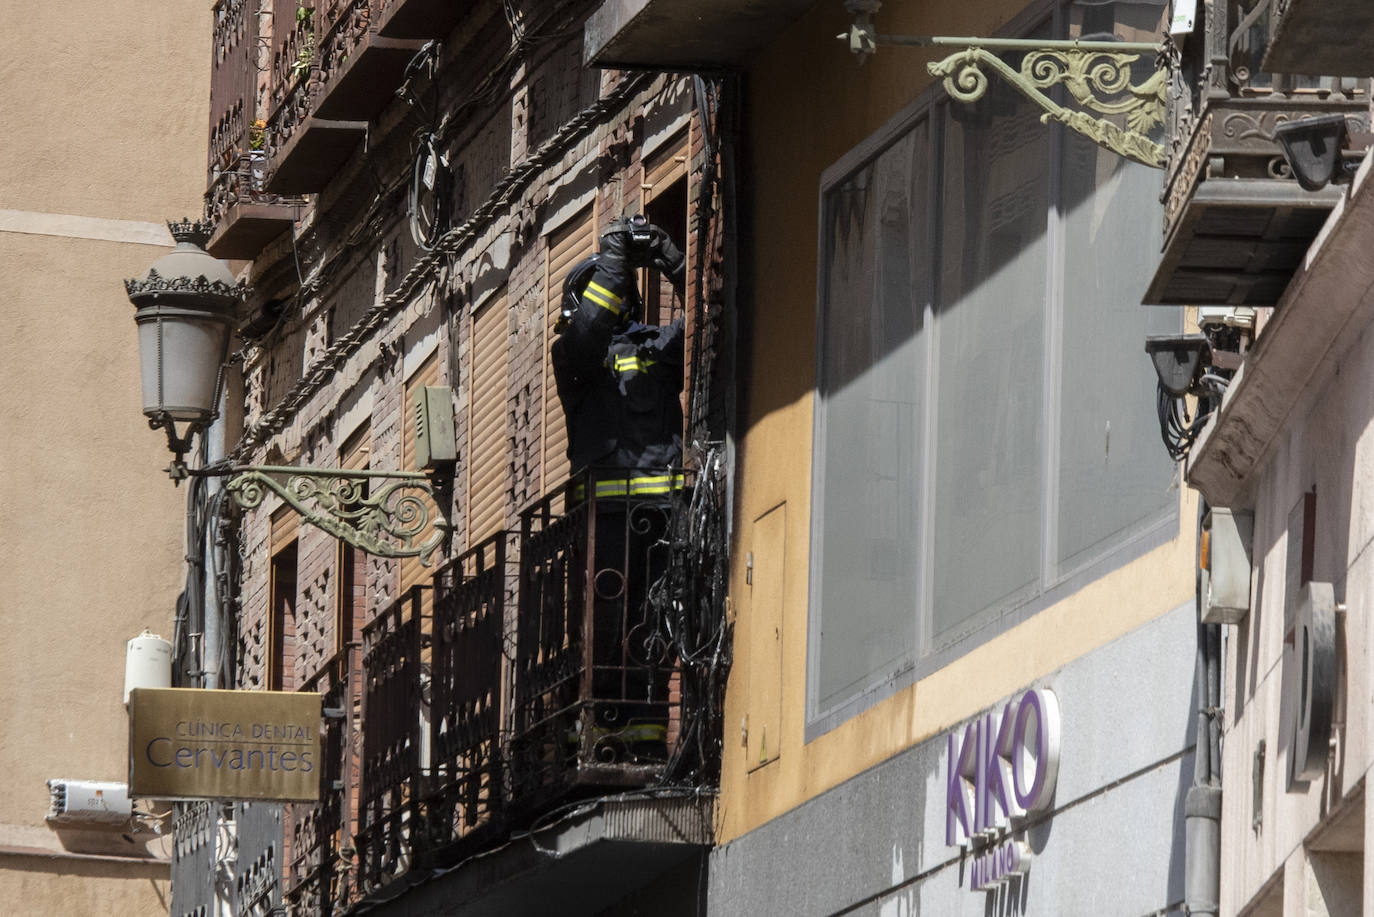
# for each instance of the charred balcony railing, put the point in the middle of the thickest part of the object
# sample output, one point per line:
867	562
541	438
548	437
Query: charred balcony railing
393	718
469	693
1236	223
596	681
588	651
321	880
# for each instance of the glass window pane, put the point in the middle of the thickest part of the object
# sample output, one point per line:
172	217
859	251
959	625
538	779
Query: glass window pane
987	524
872	369
1113	472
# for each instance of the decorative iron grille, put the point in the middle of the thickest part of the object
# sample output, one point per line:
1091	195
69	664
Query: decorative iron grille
596	670
321	878
469	691
393	719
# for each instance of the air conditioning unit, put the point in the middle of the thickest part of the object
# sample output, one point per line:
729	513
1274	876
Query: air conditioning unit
88	803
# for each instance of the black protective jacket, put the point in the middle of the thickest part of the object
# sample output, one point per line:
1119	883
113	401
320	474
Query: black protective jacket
619	381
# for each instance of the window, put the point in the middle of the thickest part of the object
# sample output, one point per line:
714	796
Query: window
489	441
565	248
985	436
282	649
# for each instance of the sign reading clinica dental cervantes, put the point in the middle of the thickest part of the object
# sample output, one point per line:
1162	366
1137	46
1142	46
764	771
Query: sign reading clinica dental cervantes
188	743
1003	768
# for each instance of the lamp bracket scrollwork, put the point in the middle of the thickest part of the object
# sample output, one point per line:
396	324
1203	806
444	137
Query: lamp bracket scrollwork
1095	74
387	520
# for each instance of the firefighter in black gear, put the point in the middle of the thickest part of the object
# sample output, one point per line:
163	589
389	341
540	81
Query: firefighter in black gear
620	383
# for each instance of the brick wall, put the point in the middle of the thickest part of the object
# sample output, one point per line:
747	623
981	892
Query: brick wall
359	259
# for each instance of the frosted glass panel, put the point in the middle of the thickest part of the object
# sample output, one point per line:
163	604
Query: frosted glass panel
987	532
1113	472
872	369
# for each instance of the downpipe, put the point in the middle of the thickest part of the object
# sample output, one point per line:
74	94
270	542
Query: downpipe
1202	805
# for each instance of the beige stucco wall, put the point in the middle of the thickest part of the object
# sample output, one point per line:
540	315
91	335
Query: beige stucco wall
105	125
799	120
1327	447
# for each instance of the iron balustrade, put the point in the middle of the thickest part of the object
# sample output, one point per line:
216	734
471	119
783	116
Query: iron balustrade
469	691
596	680
242	181
537	664
321	879
393	717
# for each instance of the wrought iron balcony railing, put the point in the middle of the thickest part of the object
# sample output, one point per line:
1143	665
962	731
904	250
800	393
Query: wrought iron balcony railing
470	689
1236	223
393	735
537	664
594	669
321	878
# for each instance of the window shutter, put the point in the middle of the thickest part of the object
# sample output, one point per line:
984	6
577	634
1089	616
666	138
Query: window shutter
566	247
488	452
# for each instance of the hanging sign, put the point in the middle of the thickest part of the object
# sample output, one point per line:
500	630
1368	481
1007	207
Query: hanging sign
1000	771
189	743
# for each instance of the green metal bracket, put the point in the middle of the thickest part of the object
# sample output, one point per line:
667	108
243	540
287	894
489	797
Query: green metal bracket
386	522
1096	74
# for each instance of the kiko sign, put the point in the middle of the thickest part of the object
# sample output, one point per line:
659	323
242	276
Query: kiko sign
1001	770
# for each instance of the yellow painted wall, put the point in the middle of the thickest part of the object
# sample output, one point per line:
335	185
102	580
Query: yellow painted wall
105	122
807	103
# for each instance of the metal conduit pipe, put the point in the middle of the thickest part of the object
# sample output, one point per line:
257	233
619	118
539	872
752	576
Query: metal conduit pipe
1202	806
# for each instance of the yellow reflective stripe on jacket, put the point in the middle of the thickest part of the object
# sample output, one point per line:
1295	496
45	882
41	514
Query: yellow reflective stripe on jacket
625	364
656	484
640	486
602	297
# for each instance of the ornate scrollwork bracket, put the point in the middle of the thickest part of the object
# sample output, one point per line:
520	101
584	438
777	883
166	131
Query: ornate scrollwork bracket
387	521
1095	74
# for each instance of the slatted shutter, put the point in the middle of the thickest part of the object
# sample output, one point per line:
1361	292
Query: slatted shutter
412	571
566	247
488	451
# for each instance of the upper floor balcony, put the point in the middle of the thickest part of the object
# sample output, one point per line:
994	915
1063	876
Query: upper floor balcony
421	18
537	679
331	72
246	217
1236	222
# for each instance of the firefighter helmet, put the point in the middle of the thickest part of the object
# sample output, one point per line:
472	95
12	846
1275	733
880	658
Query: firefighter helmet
575	282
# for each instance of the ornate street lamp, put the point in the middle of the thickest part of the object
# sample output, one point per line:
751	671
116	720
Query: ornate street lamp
188	306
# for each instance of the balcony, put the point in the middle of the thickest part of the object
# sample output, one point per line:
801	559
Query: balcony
318	879
332	73
1321	36
1236	224
672	35
246	217
422	18
530	673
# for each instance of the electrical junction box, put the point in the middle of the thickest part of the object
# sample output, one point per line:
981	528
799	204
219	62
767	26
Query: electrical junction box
1226	571
88	803
435	442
